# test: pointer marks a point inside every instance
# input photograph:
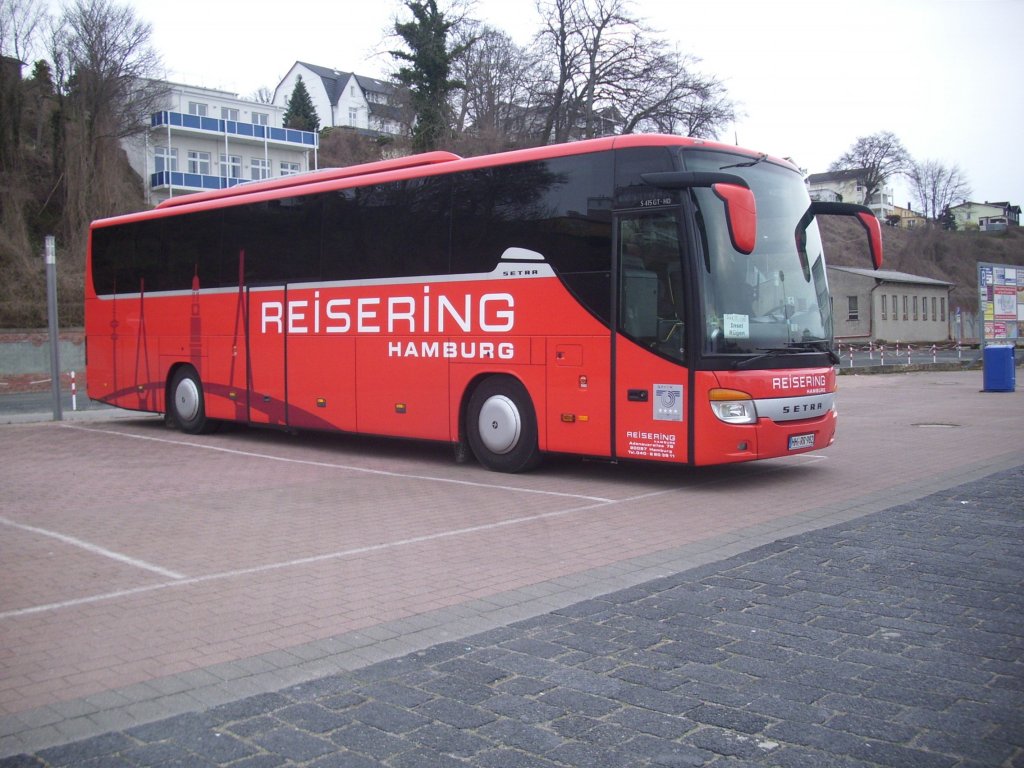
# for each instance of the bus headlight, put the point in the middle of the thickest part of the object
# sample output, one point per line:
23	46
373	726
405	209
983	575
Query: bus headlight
733	406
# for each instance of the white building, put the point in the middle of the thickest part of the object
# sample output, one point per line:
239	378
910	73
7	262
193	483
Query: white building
208	139
849	187
987	217
345	99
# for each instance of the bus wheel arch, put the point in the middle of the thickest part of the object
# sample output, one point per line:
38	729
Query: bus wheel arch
186	403
499	423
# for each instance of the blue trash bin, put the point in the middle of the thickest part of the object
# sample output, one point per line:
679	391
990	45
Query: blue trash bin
999	370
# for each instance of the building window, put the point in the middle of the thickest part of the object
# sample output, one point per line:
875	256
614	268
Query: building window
935	306
905	303
199	162
885	303
260	169
231	166
852	313
197	108
229	114
289	169
165	159
942	308
260	118
915	307
353	115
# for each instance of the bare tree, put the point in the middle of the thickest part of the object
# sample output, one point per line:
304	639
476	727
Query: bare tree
21	21
663	92
606	69
263	95
498	80
103	71
104	67
937	186
587	45
879	156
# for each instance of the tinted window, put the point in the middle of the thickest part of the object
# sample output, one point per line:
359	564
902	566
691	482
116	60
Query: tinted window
560	208
281	239
387	230
342	242
113	256
192	249
158	255
630	165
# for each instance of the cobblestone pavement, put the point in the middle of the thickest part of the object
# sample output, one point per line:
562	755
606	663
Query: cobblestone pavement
895	639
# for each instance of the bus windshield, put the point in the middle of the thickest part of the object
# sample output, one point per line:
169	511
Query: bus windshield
776	299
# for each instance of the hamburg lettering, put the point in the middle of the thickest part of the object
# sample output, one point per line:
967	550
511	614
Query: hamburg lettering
457	350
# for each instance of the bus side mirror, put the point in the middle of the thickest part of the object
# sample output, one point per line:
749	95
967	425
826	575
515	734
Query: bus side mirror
874	229
740	215
867	219
732	190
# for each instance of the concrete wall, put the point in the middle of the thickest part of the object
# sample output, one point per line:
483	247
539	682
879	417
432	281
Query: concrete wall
25	358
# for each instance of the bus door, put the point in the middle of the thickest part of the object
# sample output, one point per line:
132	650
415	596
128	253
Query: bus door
651	380
268	358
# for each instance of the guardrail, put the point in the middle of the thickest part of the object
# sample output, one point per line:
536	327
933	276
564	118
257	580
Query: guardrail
897	353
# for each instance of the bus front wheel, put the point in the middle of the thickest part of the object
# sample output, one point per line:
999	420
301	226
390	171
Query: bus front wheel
187	407
501	425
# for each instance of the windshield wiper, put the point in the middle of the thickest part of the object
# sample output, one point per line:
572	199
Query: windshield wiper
748	163
765	352
795	348
817	346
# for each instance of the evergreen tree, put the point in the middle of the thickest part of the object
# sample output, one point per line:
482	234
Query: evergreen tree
947	220
427	73
299	111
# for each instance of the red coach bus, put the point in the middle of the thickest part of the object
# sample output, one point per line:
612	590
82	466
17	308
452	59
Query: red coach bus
637	297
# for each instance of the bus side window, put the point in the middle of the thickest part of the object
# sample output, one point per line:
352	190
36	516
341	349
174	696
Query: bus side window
652	307
639	314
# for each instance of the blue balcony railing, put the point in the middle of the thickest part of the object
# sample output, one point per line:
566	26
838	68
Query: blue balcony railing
190	181
234	128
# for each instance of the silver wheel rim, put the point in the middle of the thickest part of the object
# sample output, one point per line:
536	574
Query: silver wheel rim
186	399
499	424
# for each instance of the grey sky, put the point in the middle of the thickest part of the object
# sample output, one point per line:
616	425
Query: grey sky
810	76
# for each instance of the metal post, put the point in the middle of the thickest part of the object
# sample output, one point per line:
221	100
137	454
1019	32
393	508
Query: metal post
51	315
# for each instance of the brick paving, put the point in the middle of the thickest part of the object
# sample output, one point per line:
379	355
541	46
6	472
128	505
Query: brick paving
147	573
896	639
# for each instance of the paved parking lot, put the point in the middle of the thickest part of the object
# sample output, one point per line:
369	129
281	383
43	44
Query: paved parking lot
148	573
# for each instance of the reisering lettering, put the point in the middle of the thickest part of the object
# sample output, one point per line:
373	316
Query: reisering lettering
798	381
329	313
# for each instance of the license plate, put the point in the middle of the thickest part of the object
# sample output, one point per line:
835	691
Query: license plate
796	442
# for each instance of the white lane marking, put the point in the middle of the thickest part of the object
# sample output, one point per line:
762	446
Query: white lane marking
257	569
598	503
94	548
346	467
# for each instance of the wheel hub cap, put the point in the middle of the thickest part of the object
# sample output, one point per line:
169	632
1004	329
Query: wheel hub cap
500	424
186	398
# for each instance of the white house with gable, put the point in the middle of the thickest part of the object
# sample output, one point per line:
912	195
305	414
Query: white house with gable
345	99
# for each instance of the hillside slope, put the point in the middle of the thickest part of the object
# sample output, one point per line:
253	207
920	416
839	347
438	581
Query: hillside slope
929	252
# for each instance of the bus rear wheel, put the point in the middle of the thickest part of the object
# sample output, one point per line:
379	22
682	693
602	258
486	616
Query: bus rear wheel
187	406
501	425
